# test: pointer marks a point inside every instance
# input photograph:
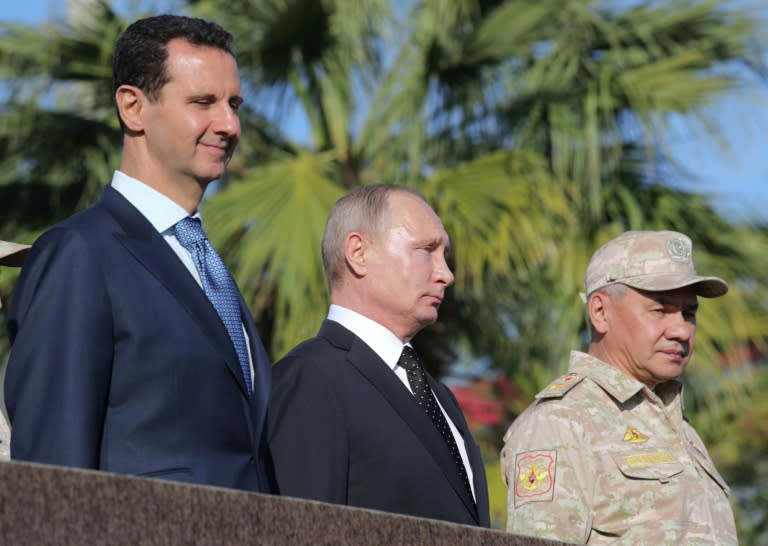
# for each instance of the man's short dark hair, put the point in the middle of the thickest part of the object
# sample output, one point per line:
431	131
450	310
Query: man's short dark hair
141	51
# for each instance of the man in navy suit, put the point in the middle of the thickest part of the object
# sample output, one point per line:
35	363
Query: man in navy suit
353	419
120	361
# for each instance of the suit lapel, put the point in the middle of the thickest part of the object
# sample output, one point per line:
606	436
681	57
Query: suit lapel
368	363
262	372
149	248
451	407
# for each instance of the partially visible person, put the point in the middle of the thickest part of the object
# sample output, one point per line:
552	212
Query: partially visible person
11	254
604	455
353	417
133	351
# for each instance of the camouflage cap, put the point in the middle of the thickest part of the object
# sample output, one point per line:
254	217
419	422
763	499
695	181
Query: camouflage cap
12	254
649	260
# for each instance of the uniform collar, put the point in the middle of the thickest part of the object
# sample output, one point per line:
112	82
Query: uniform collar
619	385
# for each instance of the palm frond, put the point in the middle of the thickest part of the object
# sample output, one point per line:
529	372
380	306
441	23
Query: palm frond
269	226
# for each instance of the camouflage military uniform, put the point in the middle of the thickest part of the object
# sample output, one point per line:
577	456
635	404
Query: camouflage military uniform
5	439
601	459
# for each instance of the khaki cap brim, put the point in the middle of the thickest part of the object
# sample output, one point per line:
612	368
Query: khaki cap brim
706	287
12	254
655	261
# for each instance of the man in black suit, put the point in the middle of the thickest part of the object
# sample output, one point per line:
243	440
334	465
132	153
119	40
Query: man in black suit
133	351
353	419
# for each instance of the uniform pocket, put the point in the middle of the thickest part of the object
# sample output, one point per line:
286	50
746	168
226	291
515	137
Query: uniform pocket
658	465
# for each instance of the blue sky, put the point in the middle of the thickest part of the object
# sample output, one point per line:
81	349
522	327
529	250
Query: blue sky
731	167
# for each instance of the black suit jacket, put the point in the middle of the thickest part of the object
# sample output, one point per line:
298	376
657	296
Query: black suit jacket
344	429
120	362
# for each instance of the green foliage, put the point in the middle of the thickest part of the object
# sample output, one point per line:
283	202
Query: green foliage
270	224
535	129
59	139
497	495
735	429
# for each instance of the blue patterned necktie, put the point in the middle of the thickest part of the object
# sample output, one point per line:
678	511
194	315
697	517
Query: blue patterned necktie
417	378
218	285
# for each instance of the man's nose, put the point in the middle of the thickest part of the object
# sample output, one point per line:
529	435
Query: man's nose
443	272
227	121
680	328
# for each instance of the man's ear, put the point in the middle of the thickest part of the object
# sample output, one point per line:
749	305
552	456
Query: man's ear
598	306
130	101
355	248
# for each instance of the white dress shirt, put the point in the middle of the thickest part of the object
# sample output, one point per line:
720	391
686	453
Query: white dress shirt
389	347
163	213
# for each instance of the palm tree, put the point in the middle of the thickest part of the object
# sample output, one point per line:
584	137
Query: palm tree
59	134
534	128
358	114
59	137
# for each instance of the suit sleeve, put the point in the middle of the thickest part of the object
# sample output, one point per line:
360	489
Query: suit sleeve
59	368
307	435
546	469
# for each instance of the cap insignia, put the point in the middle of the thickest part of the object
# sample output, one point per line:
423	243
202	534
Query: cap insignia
679	250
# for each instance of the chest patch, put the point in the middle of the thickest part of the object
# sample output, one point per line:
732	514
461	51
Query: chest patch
634	436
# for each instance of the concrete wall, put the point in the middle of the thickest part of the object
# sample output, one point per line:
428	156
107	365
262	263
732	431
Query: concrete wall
42	504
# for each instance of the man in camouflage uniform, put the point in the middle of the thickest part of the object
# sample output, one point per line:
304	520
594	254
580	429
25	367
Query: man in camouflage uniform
604	456
10	254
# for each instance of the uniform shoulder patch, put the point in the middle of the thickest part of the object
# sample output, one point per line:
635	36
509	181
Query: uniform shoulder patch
560	386
535	476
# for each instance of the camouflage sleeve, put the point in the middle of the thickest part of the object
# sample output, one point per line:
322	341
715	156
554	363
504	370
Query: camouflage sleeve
549	475
5	439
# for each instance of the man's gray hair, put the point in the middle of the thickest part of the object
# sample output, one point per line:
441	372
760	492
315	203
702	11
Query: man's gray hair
365	209
614	291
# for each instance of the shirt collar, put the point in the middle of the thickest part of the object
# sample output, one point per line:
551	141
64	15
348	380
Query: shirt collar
160	210
383	342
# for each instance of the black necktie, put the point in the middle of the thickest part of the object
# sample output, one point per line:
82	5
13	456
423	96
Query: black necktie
417	378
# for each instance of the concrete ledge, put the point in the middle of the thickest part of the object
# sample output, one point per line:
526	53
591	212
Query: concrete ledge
41	504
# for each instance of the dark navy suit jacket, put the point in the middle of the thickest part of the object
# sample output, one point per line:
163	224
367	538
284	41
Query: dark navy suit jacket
344	429
120	363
